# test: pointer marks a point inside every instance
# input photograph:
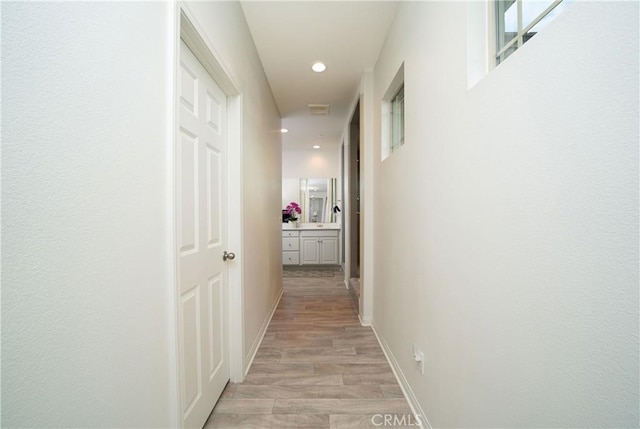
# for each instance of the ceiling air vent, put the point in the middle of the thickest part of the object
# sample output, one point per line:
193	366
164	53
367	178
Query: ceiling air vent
319	109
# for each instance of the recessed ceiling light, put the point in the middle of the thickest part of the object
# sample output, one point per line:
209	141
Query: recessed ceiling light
318	67
316	147
284	130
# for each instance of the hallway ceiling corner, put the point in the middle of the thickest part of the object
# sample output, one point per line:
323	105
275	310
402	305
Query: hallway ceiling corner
291	36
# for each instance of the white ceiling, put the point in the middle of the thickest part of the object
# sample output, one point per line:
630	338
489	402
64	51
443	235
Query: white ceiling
290	36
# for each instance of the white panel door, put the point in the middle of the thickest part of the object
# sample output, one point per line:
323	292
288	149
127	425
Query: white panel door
202	234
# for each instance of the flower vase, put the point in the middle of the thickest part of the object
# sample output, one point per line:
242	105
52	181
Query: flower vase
295	223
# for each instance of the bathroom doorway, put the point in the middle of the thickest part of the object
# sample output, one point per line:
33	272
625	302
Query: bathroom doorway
354	199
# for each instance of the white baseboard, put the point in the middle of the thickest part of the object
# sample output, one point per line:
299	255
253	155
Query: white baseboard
416	409
366	322
263	330
362	323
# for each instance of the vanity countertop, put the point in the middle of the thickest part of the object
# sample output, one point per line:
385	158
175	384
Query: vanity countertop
311	226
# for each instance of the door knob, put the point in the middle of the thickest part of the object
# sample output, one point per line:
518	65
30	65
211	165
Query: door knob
228	256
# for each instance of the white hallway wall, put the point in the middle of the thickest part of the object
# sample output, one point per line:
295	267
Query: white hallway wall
86	339
310	163
87	287
512	215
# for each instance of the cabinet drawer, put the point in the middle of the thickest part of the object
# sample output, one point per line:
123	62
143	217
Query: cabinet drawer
290	243
290	258
287	233
316	233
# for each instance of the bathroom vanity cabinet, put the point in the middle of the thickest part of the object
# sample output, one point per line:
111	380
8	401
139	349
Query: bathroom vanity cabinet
313	246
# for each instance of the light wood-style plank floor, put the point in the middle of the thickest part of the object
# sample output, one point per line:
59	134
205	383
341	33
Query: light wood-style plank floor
317	367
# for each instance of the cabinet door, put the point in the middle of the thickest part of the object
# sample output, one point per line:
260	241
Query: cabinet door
329	250
309	253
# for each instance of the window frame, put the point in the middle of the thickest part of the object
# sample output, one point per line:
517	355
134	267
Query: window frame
397	119
396	86
518	41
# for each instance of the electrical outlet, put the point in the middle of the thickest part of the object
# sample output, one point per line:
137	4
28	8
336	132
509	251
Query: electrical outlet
418	356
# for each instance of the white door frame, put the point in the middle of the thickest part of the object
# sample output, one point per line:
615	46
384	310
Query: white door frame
186	28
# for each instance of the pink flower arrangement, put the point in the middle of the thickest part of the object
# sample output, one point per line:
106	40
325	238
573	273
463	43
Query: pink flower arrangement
294	210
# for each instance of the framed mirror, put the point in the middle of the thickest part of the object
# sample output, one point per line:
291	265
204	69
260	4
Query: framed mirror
317	196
